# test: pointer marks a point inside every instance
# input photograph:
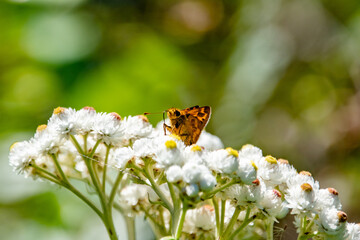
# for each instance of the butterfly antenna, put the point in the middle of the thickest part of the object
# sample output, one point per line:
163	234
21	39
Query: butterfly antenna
147	113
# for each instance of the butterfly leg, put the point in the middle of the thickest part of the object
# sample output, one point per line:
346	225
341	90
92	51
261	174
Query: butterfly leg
167	127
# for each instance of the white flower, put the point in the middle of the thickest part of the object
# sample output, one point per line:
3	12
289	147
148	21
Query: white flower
174	174
194	154
198	174
271	202
168	152
136	127
83	120
250	152
246	194
223	161
274	172
332	222
192	190
327	198
353	231
207	182
301	194
121	156
64	121
199	219
247	170
144	147
209	142
109	129
47	140
133	195
21	154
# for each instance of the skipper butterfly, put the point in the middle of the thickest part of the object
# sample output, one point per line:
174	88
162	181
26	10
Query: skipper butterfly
188	123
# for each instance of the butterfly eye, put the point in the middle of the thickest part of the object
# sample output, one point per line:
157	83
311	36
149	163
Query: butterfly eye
177	113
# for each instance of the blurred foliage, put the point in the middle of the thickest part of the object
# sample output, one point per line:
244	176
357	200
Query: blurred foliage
280	74
43	208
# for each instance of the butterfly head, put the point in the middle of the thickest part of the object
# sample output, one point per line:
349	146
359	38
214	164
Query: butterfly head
173	113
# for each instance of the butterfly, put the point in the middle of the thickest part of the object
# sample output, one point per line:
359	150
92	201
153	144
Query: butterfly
187	123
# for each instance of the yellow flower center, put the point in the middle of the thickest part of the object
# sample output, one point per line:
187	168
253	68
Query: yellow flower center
196	148
306	187
270	159
170	144
41	128
254	165
232	152
58	110
13	145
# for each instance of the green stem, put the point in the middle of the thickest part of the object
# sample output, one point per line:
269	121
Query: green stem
181	222
105	167
302	229
157	189
115	188
222	216
152	219
270	229
85	199
50	178
58	168
85	143
44	171
176	200
94	148
218	189
231	224
108	221
246	222
72	189
217	217
130	226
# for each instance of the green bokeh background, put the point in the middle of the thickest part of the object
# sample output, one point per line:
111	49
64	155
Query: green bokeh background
280	74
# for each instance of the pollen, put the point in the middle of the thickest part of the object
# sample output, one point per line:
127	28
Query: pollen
58	110
13	145
306	173
342	216
177	137
116	116
170	144
270	159
254	165
196	148
89	108
283	161
333	191
232	152
143	117
246	146
256	182
306	187
41	128
277	193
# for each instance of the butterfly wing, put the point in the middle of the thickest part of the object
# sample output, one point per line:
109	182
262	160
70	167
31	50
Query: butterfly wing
196	119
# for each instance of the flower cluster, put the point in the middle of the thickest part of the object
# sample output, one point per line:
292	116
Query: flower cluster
202	191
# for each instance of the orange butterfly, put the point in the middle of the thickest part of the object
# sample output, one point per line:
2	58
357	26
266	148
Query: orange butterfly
188	123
